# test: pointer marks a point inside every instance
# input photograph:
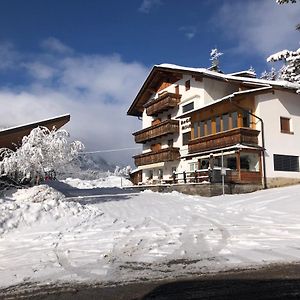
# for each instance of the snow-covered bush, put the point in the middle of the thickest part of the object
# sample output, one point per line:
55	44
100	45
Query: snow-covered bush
40	152
122	171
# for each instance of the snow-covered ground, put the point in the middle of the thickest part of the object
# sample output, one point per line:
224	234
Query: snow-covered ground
107	181
44	237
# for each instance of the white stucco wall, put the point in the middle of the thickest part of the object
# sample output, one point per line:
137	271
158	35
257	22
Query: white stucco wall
216	89
270	107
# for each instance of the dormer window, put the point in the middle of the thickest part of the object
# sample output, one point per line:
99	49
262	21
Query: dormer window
187	107
187	85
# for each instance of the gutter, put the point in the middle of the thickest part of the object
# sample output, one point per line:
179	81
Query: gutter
262	137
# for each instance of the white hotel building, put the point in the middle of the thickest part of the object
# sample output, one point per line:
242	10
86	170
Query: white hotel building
192	115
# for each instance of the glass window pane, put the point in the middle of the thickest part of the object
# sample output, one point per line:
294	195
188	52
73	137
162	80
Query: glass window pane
218	124
225	119
196	130
188	107
208	127
202	132
246	119
234	119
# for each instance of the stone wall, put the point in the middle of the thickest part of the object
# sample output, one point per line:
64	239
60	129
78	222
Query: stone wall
281	181
206	190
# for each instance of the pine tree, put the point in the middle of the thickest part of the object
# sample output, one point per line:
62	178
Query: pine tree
291	69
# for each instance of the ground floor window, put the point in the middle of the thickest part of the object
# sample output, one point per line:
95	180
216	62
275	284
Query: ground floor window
193	166
288	163
249	161
160	173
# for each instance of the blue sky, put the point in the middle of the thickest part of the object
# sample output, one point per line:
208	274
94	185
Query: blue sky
89	58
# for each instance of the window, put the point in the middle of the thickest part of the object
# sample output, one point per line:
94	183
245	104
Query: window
187	85
170	143
186	138
225	119
202	131
160	173
155	147
234	119
285	125
188	107
208	127
193	166
218	124
286	163
246	119
196	131
231	162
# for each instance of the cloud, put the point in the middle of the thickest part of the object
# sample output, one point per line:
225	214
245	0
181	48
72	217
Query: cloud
95	89
189	31
39	70
147	5
55	45
8	55
260	27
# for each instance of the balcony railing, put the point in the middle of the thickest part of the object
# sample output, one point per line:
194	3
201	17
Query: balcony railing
162	155
227	138
152	132
163	102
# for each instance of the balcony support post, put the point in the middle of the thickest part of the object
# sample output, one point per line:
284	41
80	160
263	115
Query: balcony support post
262	138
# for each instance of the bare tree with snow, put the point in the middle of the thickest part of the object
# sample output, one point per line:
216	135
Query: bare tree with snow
40	152
214	57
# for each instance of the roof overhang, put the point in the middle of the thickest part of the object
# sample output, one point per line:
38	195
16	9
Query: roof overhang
173	72
226	151
12	137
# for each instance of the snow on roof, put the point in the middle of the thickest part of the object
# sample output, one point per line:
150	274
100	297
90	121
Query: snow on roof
280	83
244	74
32	123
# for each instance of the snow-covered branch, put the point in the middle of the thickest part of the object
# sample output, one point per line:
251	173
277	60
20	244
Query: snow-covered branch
40	152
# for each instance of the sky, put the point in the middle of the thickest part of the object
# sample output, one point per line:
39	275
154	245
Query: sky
89	58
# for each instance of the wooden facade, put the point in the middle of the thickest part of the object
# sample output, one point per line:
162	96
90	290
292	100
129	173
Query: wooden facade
157	130
164	102
162	155
223	139
218	110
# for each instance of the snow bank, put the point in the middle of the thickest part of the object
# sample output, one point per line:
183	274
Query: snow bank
28	206
109	181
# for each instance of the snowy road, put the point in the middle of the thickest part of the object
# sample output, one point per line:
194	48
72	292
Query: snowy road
149	235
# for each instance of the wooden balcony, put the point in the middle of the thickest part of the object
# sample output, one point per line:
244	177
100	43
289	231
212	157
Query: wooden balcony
227	138
158	130
162	103
161	155
242	176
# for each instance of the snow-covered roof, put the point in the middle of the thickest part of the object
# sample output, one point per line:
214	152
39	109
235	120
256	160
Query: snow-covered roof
232	76
136	107
12	136
35	122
